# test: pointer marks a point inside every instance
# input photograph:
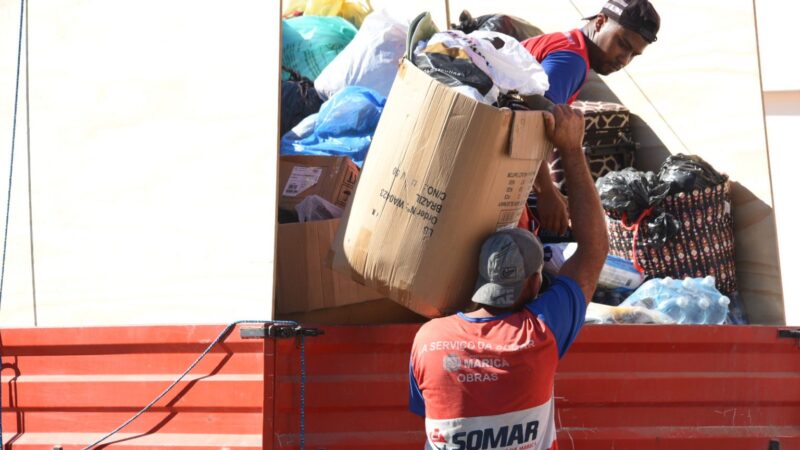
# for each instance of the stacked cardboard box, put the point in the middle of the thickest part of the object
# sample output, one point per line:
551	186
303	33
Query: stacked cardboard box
330	177
307	290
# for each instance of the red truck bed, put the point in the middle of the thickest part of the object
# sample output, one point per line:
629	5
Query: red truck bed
620	387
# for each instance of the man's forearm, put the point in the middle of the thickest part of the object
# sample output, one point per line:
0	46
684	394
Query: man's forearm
586	213
543	183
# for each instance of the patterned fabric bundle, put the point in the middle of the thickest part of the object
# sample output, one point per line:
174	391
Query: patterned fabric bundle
605	123
607	140
703	246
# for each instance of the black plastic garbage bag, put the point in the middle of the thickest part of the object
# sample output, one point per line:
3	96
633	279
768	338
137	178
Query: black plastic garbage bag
685	173
633	196
628	192
299	100
661	228
515	27
513	100
454	71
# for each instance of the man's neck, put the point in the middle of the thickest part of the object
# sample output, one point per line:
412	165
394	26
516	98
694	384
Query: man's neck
486	311
588	31
591	48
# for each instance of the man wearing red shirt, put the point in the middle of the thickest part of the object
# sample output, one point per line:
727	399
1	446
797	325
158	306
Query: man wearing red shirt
484	379
607	43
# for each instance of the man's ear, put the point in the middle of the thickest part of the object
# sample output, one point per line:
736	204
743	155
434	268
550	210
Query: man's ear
599	21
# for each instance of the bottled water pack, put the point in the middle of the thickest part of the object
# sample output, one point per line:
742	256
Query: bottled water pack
688	301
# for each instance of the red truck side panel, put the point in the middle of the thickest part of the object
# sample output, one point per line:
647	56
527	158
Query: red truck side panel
620	387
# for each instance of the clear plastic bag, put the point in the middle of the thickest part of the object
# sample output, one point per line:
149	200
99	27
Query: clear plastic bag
370	60
315	207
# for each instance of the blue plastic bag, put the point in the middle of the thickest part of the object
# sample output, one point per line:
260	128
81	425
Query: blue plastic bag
311	42
344	126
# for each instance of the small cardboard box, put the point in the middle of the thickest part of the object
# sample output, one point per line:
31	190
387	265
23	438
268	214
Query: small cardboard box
443	172
305	281
331	177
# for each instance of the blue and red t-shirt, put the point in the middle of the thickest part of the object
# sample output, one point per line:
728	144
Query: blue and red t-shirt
487	383
565	59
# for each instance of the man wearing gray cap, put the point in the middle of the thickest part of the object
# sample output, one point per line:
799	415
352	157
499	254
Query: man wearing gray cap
484	379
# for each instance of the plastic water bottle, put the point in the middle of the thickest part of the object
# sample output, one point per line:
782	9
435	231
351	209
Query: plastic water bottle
697	311
718	311
707	286
675	308
720	306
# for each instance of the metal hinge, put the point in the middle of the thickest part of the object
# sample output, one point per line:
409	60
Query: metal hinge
789	333
279	331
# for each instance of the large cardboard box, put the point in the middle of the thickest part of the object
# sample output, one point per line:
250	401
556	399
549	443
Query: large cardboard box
331	177
305	281
443	172
370	312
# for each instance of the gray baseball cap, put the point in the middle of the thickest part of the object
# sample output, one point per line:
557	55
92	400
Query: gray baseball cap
508	258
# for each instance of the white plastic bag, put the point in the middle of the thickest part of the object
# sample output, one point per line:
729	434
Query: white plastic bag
303	129
370	60
501	57
554	258
315	207
511	66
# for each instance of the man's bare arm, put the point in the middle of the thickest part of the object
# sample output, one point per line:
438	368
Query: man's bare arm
586	213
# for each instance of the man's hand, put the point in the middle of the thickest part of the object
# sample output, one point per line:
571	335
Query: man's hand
552	206
565	128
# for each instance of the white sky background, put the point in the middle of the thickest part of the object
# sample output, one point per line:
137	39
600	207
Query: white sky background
153	147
